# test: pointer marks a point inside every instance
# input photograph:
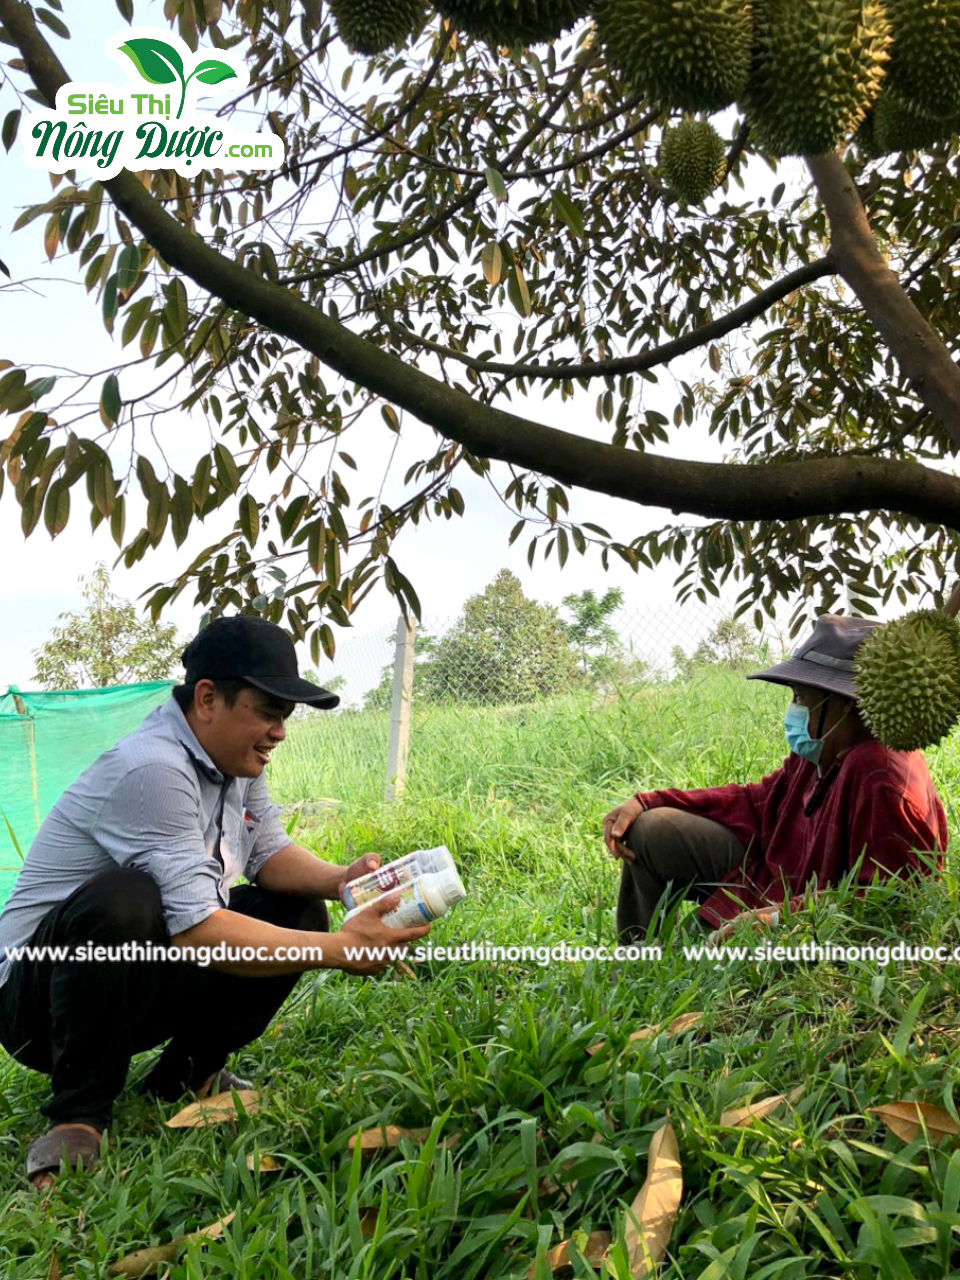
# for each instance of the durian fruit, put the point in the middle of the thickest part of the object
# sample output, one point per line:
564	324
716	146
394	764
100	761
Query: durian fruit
684	55
924	66
692	159
907	676
817	68
898	125
504	22
373	26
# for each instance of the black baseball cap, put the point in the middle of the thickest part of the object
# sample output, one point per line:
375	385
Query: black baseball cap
257	651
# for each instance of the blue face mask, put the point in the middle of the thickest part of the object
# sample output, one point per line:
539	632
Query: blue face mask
797	725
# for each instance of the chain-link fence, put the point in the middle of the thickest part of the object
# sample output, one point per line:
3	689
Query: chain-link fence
497	654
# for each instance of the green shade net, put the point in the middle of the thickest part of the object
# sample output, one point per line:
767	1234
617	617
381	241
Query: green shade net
46	742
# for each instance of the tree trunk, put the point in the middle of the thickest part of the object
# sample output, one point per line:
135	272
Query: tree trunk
922	357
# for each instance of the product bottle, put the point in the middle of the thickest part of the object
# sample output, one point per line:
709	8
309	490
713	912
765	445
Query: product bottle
396	874
423	897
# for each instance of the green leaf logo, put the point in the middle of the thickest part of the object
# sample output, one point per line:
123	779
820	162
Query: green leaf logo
157	61
213	72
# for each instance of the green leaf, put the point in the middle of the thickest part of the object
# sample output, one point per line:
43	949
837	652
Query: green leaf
390	417
518	291
176	312
111	302
492	262
249	518
56	25
156	61
11	384
496	184
181	510
39	388
316	545
351	183
110	402
126	9
128	267
568	212
10	832
213	72
56	510
11	122
117	521
227	471
158	512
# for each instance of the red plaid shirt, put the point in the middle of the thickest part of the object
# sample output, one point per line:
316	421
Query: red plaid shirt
796	825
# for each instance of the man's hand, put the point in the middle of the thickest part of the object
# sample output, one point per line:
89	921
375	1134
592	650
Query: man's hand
616	824
359	867
765	917
366	929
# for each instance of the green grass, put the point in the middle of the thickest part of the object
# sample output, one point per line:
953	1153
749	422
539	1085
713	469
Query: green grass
496	1053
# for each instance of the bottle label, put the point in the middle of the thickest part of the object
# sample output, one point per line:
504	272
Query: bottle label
395	875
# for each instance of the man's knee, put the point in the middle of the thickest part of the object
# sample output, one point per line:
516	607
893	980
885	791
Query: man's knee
314	918
120	905
650	832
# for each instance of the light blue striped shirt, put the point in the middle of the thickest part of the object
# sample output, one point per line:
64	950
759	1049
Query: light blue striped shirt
153	802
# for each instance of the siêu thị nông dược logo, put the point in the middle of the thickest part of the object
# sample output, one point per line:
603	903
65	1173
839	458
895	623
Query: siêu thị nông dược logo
153	121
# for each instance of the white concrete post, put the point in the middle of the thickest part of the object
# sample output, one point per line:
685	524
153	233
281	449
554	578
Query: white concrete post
400	711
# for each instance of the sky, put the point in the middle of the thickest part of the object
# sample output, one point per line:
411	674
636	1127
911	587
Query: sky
50	322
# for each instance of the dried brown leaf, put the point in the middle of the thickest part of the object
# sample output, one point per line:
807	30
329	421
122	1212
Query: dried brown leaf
651	1217
215	1110
560	1258
907	1120
757	1110
144	1262
386	1136
674	1028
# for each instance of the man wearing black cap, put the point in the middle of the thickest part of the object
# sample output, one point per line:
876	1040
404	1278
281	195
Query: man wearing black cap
839	794
140	853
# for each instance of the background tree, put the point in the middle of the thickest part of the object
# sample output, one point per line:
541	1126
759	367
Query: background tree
505	648
493	172
380	697
604	656
590	632
107	644
731	643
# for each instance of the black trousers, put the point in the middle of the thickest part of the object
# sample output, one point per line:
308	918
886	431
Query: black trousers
81	1022
678	854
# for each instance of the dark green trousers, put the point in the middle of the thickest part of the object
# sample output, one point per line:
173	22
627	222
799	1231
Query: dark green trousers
677	855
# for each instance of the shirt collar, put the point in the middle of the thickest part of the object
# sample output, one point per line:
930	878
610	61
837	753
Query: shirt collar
181	729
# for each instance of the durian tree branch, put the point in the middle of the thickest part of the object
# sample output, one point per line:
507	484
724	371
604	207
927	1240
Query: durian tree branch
778	492
650	357
403	110
595	152
923	358
443	216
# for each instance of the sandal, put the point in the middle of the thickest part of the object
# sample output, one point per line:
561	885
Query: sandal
70	1142
222	1082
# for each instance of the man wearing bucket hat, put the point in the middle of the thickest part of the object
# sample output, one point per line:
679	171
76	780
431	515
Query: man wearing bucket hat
739	850
143	852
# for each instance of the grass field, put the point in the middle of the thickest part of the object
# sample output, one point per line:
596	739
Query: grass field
552	1141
